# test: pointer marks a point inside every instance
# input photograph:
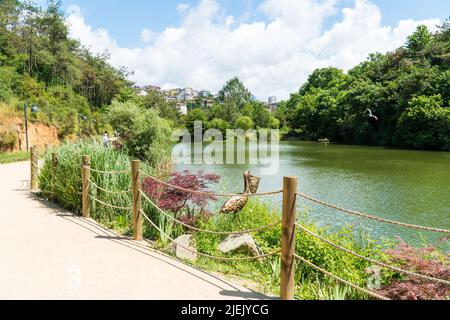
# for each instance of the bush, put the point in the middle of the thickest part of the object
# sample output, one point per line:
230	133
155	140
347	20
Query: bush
146	135
427	261
8	140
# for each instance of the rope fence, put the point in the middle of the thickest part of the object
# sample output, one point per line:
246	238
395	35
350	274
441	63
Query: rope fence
371	217
379	263
109	205
343	281
209	193
277	251
106	172
288	222
109	191
208	231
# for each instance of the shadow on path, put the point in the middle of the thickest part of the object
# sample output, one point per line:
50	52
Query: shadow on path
143	247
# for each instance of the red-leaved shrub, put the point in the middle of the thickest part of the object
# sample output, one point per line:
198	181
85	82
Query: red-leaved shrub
425	261
179	201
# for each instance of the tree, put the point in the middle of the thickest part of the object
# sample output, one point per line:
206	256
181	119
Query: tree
420	39
425	124
145	134
322	79
219	124
235	92
195	115
244	123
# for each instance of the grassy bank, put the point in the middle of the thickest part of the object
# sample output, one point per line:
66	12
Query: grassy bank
14	157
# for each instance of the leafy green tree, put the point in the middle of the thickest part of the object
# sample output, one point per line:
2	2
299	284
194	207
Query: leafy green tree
219	124
235	92
146	135
425	124
193	116
420	39
244	123
323	79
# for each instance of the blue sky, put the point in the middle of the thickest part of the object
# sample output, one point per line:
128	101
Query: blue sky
124	20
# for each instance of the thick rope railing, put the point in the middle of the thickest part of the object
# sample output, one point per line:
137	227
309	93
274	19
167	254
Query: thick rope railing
204	254
106	172
348	283
109	191
109	205
209	193
379	263
371	217
38	166
205	230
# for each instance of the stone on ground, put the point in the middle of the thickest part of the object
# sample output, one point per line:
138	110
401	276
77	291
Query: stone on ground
239	243
181	252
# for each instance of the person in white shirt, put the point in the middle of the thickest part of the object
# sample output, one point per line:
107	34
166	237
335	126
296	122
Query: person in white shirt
106	140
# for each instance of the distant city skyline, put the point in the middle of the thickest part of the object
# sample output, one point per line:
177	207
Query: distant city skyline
271	45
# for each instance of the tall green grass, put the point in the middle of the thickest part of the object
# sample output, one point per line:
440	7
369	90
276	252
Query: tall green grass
66	190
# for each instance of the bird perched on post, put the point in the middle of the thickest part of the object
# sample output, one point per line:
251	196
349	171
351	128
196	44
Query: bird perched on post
237	203
371	115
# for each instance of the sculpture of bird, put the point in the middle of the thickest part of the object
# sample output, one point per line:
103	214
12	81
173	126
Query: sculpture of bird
371	115
237	203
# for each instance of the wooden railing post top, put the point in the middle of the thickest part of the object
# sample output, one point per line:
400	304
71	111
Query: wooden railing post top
87	160
290	179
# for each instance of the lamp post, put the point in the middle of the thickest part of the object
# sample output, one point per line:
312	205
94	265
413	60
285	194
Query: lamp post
34	109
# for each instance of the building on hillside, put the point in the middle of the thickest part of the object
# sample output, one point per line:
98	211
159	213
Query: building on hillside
204	93
154	88
273	104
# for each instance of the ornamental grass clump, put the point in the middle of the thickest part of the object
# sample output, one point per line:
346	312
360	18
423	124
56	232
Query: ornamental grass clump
65	188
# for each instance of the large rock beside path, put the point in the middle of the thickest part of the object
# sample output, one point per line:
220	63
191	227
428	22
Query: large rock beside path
182	242
239	243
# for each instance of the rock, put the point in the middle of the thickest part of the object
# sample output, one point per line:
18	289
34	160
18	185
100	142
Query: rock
182	253
239	243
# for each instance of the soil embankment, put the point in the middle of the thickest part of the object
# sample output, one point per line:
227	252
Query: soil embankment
39	134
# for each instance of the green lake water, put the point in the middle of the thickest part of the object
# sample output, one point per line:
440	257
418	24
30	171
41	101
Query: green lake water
401	185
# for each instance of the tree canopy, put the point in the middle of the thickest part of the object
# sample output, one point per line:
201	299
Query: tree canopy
400	99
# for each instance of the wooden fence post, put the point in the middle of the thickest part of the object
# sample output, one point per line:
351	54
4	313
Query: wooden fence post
86	175
288	238
34	168
137	200
54	169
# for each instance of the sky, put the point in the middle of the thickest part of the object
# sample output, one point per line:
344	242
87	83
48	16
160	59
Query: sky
271	45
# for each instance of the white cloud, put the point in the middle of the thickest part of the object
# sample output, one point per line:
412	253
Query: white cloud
272	57
148	35
182	8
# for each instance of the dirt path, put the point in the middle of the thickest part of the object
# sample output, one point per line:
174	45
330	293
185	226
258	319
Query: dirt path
47	253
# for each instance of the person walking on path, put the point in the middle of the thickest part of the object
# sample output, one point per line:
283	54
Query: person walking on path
106	140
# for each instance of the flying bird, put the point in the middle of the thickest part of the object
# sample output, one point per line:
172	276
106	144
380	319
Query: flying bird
371	115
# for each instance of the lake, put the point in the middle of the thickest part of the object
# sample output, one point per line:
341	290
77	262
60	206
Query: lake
402	185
